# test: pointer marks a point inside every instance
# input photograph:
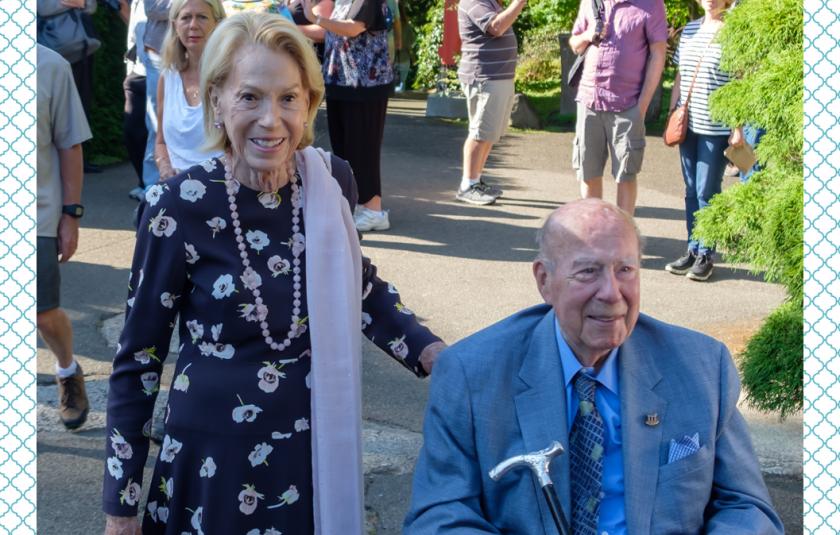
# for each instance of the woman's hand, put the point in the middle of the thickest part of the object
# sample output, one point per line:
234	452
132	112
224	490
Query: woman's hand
122	525
736	138
430	354
165	169
307	11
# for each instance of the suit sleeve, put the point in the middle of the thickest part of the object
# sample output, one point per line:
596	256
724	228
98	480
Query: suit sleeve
739	502
446	493
158	279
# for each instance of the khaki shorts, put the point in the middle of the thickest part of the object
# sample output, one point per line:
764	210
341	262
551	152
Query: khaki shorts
598	134
489	103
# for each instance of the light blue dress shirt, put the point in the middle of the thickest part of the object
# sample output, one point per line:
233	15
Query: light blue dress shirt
611	519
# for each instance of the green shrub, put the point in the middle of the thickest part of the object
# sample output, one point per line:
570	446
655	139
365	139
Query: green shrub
108	97
772	362
540	58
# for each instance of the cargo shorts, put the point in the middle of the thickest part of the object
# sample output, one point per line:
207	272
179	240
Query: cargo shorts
602	134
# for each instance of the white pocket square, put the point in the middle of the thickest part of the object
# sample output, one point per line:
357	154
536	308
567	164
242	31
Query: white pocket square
682	448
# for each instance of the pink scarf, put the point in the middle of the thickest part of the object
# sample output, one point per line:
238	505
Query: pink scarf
334	300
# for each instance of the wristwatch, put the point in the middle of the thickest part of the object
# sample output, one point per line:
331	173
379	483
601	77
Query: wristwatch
73	210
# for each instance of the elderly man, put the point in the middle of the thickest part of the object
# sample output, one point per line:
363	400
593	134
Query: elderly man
486	72
646	411
624	42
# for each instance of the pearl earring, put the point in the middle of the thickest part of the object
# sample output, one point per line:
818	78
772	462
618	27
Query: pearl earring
305	124
217	124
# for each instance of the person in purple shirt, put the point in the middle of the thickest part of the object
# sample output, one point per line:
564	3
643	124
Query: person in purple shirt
625	46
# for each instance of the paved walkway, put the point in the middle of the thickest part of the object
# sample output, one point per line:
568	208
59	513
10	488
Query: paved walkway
459	267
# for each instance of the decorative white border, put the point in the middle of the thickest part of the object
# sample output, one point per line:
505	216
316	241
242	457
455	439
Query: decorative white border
17	267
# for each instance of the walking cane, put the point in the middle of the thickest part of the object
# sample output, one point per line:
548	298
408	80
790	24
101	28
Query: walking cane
538	462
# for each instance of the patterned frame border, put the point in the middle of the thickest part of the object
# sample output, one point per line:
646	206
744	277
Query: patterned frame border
17	267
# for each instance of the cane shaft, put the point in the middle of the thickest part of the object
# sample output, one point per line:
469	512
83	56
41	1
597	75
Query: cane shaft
556	511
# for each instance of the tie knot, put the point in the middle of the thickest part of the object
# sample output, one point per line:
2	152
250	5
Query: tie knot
585	386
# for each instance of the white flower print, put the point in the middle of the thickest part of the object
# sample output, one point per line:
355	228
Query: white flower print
367	290
145	355
223	351
196	330
130	495
272	531
298	243
301	425
366	320
115	467
182	380
140	276
206	348
153	194
152	508
277	435
391	289
261	451
257	239
279	266
245	413
269	199
308	380
287	498
216	331
168	300
298	328
269	377
254	531
216	224
398	347
252	312
208	468
192	190
248	499
208	165
150	382
195	521
192	255
169	449
223	286
250	278
162	226
166	487
122	449
163	514
129	302
403	309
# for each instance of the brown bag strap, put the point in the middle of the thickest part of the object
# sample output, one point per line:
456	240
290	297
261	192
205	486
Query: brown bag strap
697	68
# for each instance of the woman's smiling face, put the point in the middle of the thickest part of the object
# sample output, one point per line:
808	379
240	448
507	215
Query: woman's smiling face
263	105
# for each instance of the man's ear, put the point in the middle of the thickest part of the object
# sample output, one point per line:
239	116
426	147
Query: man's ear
541	276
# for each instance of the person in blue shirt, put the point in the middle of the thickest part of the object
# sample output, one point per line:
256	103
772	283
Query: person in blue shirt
645	411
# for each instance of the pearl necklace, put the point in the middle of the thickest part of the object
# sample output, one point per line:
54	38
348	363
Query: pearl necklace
294	328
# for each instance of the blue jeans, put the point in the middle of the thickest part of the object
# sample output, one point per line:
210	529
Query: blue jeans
151	175
752	135
703	163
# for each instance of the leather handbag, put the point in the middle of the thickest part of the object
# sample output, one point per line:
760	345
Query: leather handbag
677	125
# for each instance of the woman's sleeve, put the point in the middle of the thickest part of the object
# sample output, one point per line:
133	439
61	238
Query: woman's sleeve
156	286
391	325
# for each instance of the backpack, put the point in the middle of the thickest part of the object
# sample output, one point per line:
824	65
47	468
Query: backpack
70	33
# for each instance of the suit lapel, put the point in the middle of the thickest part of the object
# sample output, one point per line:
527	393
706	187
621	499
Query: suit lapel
541	411
638	375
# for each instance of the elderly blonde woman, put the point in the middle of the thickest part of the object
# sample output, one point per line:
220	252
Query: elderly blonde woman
257	255
180	138
701	154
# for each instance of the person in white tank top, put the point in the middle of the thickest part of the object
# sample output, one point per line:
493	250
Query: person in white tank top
180	138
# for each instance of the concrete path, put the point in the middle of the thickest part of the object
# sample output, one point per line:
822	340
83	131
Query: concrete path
459	267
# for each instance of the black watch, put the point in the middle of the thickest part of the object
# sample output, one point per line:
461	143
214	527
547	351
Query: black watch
73	210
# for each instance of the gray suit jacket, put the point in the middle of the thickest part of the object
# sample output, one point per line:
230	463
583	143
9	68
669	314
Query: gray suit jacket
501	393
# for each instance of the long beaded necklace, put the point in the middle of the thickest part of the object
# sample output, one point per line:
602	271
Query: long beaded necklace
297	236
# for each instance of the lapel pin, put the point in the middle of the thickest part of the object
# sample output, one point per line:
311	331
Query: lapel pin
652	420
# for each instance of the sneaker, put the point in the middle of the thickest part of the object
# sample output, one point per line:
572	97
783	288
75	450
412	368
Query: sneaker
73	403
492	190
702	268
476	194
681	265
367	219
138	194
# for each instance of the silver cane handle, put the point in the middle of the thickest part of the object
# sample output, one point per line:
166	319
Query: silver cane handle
537	461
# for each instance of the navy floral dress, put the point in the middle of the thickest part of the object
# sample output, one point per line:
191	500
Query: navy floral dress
236	454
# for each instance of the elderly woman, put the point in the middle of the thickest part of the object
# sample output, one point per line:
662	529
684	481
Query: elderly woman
179	141
358	75
256	254
701	154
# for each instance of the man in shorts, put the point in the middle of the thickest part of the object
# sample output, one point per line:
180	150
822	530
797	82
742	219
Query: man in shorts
625	45
486	72
62	128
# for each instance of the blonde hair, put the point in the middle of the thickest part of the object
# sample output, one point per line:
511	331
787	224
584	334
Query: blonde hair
173	53
273	32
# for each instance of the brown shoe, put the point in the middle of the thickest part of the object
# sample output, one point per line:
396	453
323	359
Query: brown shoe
73	403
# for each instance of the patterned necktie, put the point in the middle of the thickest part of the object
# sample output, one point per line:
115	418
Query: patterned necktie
586	463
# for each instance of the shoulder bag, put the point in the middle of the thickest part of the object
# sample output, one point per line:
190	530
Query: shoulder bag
70	33
576	71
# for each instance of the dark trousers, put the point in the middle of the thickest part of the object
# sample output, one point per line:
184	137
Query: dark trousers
356	130
134	122
703	164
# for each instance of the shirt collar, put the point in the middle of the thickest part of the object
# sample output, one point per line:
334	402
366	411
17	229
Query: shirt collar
607	376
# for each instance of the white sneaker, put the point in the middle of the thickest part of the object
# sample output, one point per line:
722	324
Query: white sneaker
367	219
